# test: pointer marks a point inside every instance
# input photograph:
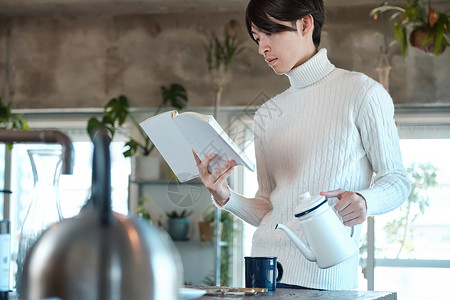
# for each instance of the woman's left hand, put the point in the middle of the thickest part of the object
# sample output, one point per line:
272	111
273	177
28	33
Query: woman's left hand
352	207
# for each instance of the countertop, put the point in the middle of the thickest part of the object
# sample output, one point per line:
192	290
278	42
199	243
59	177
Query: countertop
310	294
300	294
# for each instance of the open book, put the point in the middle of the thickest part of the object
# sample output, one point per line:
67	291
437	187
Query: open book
175	135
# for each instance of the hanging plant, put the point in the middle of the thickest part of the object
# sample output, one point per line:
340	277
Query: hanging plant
220	54
429	32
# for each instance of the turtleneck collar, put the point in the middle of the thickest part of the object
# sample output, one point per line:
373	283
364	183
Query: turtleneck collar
311	71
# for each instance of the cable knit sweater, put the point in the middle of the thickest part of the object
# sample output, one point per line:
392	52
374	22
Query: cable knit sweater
330	129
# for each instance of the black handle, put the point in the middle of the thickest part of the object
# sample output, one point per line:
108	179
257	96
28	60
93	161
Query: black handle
101	177
280	271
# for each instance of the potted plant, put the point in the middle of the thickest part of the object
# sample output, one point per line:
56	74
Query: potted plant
11	121
178	224
206	227
142	211
219	57
115	114
428	32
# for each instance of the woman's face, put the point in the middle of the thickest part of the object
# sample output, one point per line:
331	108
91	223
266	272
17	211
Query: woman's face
284	50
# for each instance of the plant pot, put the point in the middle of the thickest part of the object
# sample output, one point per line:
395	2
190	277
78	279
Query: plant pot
178	229
147	168
206	230
417	37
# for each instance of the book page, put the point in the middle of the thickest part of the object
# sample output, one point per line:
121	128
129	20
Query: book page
206	136
172	145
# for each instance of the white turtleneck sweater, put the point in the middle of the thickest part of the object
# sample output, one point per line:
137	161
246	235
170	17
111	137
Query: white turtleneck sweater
330	129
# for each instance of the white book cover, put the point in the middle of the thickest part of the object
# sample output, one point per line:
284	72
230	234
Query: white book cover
175	135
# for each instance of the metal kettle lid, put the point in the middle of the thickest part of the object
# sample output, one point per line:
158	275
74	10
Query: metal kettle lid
309	204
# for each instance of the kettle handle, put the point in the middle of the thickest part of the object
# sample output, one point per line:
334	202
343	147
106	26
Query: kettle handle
101	177
331	203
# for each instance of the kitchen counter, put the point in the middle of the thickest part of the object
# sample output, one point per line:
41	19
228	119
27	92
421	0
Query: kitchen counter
310	294
293	294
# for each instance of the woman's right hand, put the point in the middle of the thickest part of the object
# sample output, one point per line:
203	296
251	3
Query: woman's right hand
215	182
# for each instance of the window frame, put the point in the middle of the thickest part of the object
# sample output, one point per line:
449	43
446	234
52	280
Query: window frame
407	117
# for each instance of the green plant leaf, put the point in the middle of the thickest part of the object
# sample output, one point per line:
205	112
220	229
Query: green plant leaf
220	53
117	110
133	147
399	230
175	95
93	126
400	35
176	215
412	16
440	29
11	121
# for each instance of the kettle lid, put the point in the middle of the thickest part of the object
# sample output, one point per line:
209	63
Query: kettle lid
309	204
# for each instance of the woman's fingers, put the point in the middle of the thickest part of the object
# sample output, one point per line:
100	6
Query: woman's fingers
219	175
333	194
351	206
202	165
198	161
215	182
223	169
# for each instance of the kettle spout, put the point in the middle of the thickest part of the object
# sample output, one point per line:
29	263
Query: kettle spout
298	243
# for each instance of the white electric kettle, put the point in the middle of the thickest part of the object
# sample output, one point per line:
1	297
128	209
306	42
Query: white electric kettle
327	241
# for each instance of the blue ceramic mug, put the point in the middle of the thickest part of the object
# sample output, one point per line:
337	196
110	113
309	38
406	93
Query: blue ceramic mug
261	272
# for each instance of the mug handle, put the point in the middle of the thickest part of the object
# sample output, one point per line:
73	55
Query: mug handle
279	271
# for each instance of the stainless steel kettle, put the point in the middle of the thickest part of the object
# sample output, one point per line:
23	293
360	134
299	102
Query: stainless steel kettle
101	255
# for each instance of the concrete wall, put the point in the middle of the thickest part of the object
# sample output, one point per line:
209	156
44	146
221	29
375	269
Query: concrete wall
83	60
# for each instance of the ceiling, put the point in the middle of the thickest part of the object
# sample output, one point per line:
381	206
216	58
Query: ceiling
42	7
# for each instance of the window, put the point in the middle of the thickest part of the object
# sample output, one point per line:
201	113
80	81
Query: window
416	267
412	243
74	189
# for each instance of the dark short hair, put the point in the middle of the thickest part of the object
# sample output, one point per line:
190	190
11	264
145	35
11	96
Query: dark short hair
258	12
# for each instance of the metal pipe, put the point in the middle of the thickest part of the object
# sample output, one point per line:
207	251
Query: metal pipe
46	137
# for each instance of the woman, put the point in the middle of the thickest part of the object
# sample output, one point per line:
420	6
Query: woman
336	134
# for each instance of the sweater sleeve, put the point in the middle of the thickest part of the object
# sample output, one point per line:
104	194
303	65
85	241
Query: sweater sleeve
253	210
391	185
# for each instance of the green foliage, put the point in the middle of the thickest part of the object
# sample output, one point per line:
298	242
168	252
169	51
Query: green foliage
227	219
117	111
142	211
210	214
209	280
220	53
399	231
175	95
177	215
10	121
414	16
